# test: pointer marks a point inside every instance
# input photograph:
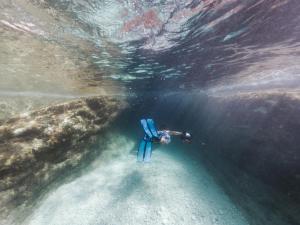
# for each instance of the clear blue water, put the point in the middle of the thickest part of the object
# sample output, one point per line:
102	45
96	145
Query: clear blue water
227	70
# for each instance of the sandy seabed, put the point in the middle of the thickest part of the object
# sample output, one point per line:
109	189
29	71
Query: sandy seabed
172	189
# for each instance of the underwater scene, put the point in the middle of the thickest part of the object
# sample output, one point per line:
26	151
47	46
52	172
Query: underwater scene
155	112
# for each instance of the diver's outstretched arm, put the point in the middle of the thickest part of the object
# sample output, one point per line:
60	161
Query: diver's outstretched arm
185	136
174	133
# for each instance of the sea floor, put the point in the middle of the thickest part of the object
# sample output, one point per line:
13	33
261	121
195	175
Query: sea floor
116	190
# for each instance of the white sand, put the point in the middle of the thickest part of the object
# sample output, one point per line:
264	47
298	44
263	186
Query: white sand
172	189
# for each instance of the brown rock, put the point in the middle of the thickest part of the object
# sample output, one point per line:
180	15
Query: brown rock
37	147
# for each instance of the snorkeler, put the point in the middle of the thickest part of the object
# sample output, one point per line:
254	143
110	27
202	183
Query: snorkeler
154	136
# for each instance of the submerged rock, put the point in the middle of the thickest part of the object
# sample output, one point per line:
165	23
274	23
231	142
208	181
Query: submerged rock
35	148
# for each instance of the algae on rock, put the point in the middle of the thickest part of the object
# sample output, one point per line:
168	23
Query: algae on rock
35	148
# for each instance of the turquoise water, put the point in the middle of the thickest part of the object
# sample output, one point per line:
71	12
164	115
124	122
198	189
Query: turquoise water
225	70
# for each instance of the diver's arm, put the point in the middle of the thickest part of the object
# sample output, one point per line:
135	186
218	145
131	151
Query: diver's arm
185	136
174	133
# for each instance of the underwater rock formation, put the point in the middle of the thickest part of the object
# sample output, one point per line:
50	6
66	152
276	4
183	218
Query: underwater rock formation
37	146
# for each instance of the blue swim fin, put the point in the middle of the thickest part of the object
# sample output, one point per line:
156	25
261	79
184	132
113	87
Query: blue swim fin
145	147
146	129
152	127
148	152
141	151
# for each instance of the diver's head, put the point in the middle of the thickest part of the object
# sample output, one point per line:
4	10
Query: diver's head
165	139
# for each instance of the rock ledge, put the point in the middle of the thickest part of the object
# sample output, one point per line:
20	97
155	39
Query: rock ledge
36	147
